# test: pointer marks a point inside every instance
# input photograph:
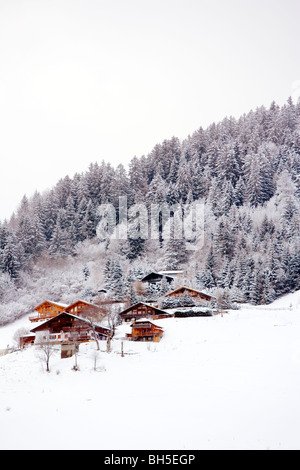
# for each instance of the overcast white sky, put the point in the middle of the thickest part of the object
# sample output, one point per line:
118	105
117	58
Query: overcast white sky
86	80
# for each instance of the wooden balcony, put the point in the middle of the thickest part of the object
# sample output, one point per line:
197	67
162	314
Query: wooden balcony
140	334
42	316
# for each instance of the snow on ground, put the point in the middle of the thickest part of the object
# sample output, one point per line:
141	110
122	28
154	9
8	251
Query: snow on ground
222	382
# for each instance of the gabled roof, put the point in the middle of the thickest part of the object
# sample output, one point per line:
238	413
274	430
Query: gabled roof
145	320
190	289
52	303
159	275
81	301
157	310
85	320
171	273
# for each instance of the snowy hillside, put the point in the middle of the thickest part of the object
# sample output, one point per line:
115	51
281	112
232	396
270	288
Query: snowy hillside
222	382
234	188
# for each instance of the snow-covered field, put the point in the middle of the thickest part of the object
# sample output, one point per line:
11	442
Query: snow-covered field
222	382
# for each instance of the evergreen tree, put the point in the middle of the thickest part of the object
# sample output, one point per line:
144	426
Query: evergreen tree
176	254
62	240
11	256
209	278
82	220
184	178
240	192
31	236
223	241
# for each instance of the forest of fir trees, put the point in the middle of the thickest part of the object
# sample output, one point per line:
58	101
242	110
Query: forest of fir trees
246	173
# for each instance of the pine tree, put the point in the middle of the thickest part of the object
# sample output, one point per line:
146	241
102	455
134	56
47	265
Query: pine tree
62	240
136	248
137	179
108	274
49	214
223	241
31	236
259	179
240	192
11	257
184	178
198	181
81	220
176	254
157	191
208	277
117	281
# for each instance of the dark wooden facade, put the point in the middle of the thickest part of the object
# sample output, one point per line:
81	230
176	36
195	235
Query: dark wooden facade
193	293
66	327
142	310
145	330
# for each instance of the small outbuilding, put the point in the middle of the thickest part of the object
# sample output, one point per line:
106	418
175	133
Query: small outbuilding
26	340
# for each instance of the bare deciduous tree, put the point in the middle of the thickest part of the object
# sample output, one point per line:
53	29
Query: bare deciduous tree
46	349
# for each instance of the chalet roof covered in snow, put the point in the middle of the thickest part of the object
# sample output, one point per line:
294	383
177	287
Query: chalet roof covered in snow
142	321
171	273
183	289
56	304
80	301
143	304
156	277
44	325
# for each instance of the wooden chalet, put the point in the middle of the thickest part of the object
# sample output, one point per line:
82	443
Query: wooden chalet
47	310
193	293
144	330
81	308
143	310
68	328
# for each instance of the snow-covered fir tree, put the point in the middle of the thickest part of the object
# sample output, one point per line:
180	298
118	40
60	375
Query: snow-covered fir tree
245	171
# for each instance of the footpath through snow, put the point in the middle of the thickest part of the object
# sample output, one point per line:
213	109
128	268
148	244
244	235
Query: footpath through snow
222	382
